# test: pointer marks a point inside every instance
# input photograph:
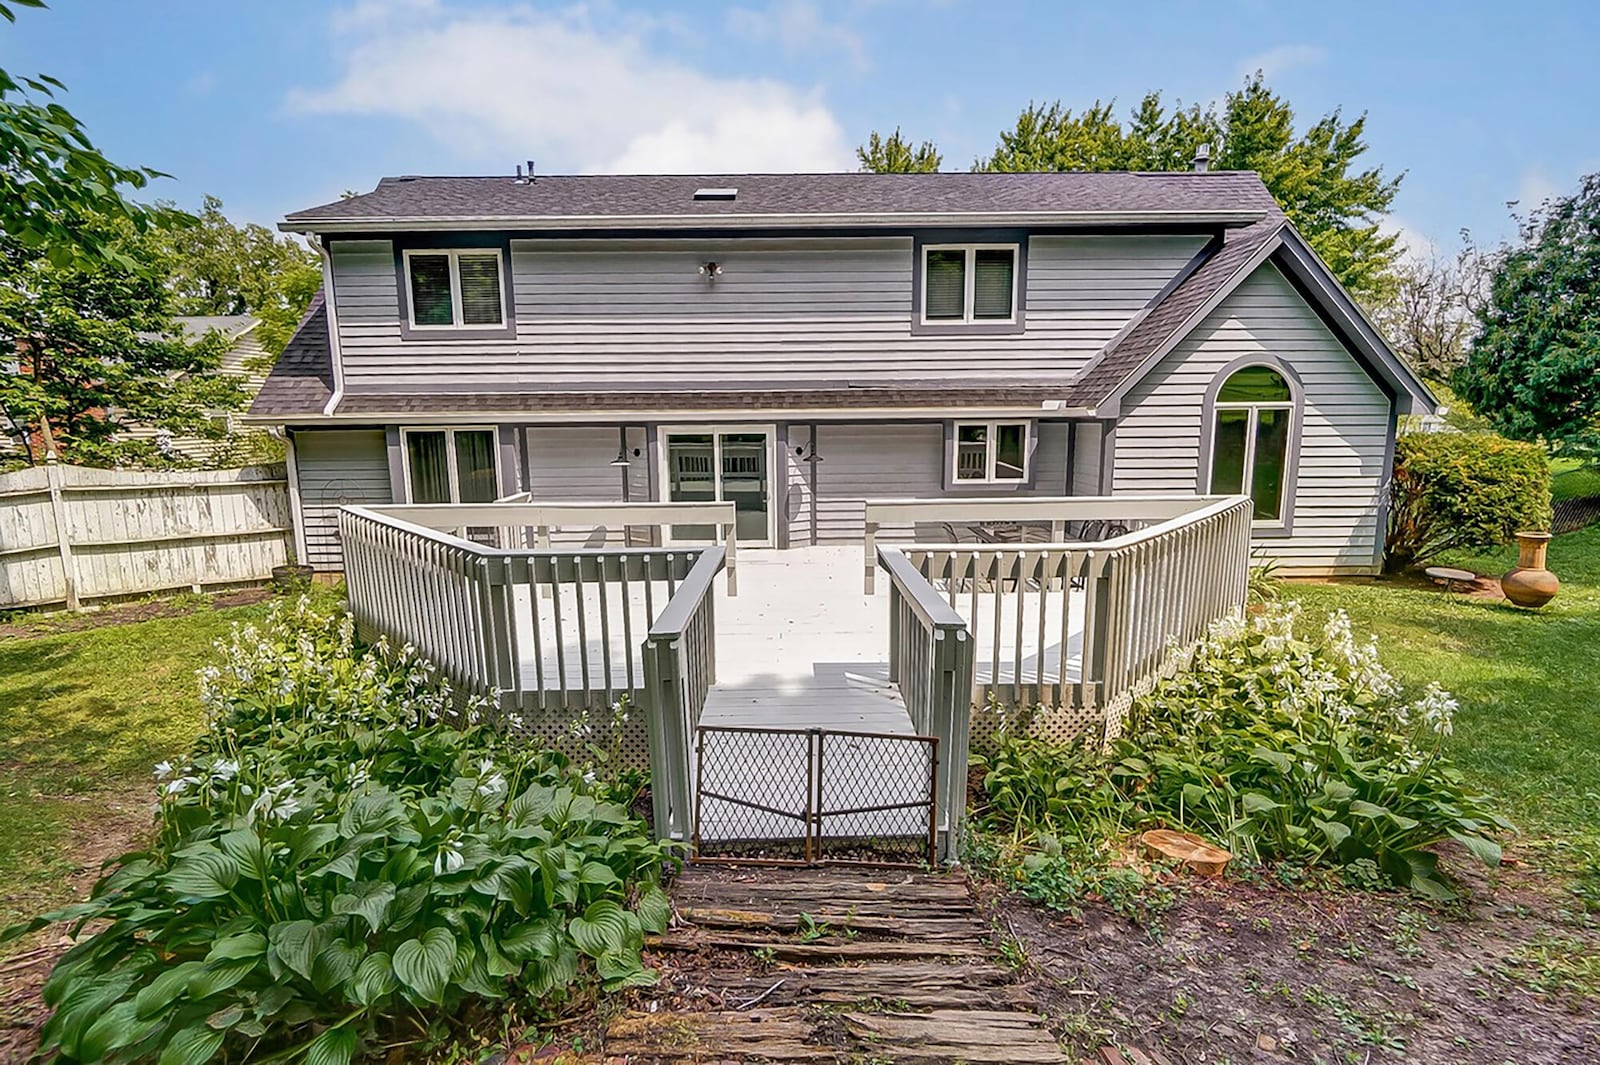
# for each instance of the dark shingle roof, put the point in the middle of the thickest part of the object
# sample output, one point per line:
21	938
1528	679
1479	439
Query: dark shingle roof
662	196
956	394
301	381
1126	353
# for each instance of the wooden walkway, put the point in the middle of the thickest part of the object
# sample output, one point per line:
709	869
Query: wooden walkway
832	965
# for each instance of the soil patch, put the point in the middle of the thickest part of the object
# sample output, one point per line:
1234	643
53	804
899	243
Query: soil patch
1264	972
129	613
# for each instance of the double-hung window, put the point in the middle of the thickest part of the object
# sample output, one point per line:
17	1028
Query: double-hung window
969	284
991	452
1254	415
454	289
451	465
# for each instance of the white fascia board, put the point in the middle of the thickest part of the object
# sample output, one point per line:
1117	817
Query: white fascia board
674	416
876	220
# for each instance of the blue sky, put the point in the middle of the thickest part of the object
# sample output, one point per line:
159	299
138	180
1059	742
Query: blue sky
275	105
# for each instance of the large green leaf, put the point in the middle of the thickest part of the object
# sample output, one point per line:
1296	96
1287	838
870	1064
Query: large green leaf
335	964
374	978
192	1046
219	976
244	847
242	945
423	964
369	900
165	988
1256	802
1363	808
597	873
536	939
116	1027
1482	848
603	929
654	909
206	874
295	943
1332	831
336	1046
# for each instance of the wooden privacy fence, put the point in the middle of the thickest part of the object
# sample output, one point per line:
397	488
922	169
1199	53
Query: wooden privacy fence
1079	629
71	534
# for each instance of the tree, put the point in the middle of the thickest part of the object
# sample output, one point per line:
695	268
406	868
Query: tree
95	346
54	184
1431	316
222	268
1337	208
895	155
1534	368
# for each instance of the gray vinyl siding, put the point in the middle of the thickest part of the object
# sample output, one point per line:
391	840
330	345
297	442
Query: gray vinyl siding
336	467
797	488
605	312
572	464
862	462
1050	459
1086	459
1343	430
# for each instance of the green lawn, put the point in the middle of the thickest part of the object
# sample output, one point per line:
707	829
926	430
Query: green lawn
83	716
1528	682
1570	479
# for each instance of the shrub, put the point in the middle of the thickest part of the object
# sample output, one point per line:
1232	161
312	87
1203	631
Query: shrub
1462	490
1280	744
345	848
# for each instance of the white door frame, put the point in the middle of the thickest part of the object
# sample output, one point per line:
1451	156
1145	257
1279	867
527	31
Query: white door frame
716	432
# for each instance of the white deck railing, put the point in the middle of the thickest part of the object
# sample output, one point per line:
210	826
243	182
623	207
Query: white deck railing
1082	627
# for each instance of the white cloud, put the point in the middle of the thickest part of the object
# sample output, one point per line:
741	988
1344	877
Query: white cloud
798	27
509	85
1415	245
1534	187
1281	60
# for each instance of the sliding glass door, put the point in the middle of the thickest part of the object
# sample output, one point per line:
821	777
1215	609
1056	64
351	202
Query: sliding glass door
717	465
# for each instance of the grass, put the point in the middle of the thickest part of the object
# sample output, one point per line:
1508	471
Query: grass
84	714
1529	725
1571	479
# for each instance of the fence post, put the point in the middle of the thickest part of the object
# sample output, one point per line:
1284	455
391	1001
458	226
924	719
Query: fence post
58	513
197	550
669	755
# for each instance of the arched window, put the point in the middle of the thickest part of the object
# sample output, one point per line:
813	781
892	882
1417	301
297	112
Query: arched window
1253	418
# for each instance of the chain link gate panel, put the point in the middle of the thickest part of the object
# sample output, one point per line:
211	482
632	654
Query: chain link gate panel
811	796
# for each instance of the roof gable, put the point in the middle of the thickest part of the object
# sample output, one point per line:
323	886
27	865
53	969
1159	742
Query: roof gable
301	381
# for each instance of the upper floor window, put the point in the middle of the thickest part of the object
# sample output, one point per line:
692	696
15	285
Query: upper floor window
991	452
1254	414
454	289
969	283
451	465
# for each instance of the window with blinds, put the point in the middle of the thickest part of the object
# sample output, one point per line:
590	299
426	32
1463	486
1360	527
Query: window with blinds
451	465
970	283
454	289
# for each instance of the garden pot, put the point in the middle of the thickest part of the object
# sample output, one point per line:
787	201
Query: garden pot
1528	583
291	577
1196	853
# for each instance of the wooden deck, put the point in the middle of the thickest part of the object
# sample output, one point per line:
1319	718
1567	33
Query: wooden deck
800	646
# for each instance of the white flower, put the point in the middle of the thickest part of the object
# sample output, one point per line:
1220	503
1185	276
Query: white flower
181	785
495	785
588	778
448	859
1437	709
515	720
225	769
485	766
163	770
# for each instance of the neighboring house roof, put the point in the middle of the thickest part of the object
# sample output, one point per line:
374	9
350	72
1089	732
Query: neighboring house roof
668	201
301	381
196	326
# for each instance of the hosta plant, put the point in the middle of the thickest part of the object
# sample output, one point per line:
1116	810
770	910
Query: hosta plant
347	856
1278	742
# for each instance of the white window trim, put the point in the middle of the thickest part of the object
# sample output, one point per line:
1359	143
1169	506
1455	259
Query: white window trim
969	278
716	432
454	473
1251	430
991	439
456	309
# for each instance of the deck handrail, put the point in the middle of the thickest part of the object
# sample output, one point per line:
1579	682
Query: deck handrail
680	666
515	512
1058	510
930	662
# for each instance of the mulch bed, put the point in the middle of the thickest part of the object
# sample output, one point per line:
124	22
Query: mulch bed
1271	973
129	613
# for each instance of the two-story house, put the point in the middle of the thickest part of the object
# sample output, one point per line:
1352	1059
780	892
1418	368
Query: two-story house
801	343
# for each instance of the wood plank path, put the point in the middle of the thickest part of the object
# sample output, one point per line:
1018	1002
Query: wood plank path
833	965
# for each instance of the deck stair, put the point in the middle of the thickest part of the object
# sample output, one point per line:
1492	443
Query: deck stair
834	964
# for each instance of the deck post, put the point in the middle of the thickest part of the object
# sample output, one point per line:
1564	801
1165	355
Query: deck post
871	556
730	538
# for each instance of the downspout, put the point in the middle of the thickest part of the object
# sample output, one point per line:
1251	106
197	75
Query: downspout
331	304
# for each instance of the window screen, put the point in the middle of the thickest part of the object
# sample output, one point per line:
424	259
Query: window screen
1010	452
475	476
430	290
1272	446
480	289
992	282
945	285
428	466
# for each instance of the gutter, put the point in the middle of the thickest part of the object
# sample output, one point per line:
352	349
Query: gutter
331	306
717	415
306	223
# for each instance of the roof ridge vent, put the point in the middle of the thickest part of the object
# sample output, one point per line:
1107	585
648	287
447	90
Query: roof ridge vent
708	193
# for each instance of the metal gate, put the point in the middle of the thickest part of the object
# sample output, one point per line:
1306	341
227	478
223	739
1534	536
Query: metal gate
812	796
